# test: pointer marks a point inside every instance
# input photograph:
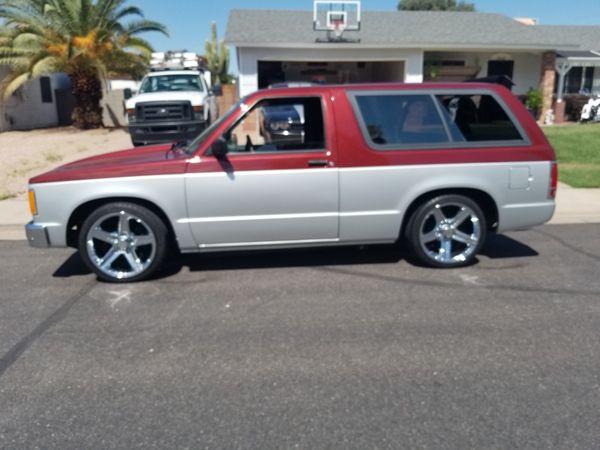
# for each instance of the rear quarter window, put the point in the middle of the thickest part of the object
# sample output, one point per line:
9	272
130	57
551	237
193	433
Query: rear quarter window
478	118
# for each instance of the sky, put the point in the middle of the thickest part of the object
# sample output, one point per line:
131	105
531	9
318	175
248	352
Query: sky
189	21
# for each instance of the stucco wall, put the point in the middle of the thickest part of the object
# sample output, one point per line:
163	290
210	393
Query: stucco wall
25	109
527	66
248	58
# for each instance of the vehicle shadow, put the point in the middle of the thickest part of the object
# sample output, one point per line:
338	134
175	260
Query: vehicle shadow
72	267
500	246
497	247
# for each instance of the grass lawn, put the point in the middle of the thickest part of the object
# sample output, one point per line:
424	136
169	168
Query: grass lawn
578	151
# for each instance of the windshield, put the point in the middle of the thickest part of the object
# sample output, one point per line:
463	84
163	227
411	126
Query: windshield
193	146
171	82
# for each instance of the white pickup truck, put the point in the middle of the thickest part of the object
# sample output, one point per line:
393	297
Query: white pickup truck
171	106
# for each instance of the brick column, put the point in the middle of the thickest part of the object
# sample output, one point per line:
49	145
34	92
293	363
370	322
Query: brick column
228	98
547	81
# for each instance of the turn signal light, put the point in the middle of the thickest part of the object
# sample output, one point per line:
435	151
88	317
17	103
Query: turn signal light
198	109
32	203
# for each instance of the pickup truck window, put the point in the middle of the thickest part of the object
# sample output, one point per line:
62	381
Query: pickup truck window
477	118
401	119
169	83
284	124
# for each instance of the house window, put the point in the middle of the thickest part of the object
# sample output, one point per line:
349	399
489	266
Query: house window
579	80
46	87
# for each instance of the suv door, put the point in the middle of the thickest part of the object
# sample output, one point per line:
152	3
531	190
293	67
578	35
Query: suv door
278	185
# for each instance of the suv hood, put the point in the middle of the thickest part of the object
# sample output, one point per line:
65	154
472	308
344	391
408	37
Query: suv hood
194	97
141	161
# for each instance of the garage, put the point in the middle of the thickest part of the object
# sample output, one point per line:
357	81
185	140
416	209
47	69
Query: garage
329	72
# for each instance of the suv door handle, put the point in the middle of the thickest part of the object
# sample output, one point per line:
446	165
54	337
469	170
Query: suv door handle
318	162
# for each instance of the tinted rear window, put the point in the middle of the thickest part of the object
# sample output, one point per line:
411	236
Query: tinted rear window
478	118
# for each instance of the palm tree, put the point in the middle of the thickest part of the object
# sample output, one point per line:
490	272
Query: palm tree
86	39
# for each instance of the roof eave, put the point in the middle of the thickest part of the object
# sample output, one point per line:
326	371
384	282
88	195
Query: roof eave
424	46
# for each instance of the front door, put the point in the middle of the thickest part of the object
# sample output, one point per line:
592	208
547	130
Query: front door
278	184
496	68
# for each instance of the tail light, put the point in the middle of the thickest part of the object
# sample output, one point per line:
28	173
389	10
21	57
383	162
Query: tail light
553	179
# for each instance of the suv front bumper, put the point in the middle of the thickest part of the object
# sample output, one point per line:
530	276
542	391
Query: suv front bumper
160	132
37	235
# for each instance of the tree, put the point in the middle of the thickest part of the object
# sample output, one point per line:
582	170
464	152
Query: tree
86	39
435	5
217	57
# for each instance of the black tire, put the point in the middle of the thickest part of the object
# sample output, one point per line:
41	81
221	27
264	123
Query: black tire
123	242
447	231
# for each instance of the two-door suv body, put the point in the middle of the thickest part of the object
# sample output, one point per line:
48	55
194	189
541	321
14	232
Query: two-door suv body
440	165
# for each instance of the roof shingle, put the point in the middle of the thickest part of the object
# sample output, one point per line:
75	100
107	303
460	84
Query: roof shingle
408	29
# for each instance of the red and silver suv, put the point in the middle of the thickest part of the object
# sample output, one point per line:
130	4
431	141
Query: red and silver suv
441	165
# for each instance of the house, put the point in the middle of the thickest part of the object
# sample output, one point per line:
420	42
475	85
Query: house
42	102
415	46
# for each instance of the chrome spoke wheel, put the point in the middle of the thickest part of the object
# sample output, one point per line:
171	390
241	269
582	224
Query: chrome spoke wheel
121	245
450	232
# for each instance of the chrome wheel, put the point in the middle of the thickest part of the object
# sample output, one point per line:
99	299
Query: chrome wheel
120	245
450	233
447	231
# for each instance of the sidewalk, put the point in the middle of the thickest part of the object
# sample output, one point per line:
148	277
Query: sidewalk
572	206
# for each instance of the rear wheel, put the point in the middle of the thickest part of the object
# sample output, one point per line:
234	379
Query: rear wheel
123	242
447	231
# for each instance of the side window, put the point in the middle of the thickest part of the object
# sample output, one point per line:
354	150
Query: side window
477	118
285	124
401	119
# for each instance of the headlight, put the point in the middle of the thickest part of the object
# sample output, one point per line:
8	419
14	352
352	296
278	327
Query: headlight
131	114
277	126
198	112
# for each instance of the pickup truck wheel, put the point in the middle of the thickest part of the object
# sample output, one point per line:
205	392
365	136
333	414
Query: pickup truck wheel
447	231
123	242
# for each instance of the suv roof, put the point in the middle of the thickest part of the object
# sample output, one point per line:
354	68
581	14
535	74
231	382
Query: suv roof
470	86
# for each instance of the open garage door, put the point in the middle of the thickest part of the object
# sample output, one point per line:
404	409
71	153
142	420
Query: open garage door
329	72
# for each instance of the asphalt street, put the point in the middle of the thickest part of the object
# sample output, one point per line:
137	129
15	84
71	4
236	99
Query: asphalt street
351	348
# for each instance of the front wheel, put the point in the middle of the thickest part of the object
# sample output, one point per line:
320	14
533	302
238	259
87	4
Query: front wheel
123	242
447	231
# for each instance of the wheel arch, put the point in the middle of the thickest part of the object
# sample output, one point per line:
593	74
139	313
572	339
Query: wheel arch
484	200
80	213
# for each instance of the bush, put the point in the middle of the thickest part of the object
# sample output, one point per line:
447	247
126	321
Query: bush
534	99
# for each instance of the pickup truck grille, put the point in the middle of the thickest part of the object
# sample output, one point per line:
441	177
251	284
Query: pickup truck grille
163	111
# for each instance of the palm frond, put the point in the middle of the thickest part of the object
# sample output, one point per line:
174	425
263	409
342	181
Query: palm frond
142	46
143	26
12	83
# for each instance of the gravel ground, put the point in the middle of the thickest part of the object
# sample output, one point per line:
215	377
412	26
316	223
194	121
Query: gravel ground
28	153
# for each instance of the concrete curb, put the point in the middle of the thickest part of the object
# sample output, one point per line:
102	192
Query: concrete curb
573	206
